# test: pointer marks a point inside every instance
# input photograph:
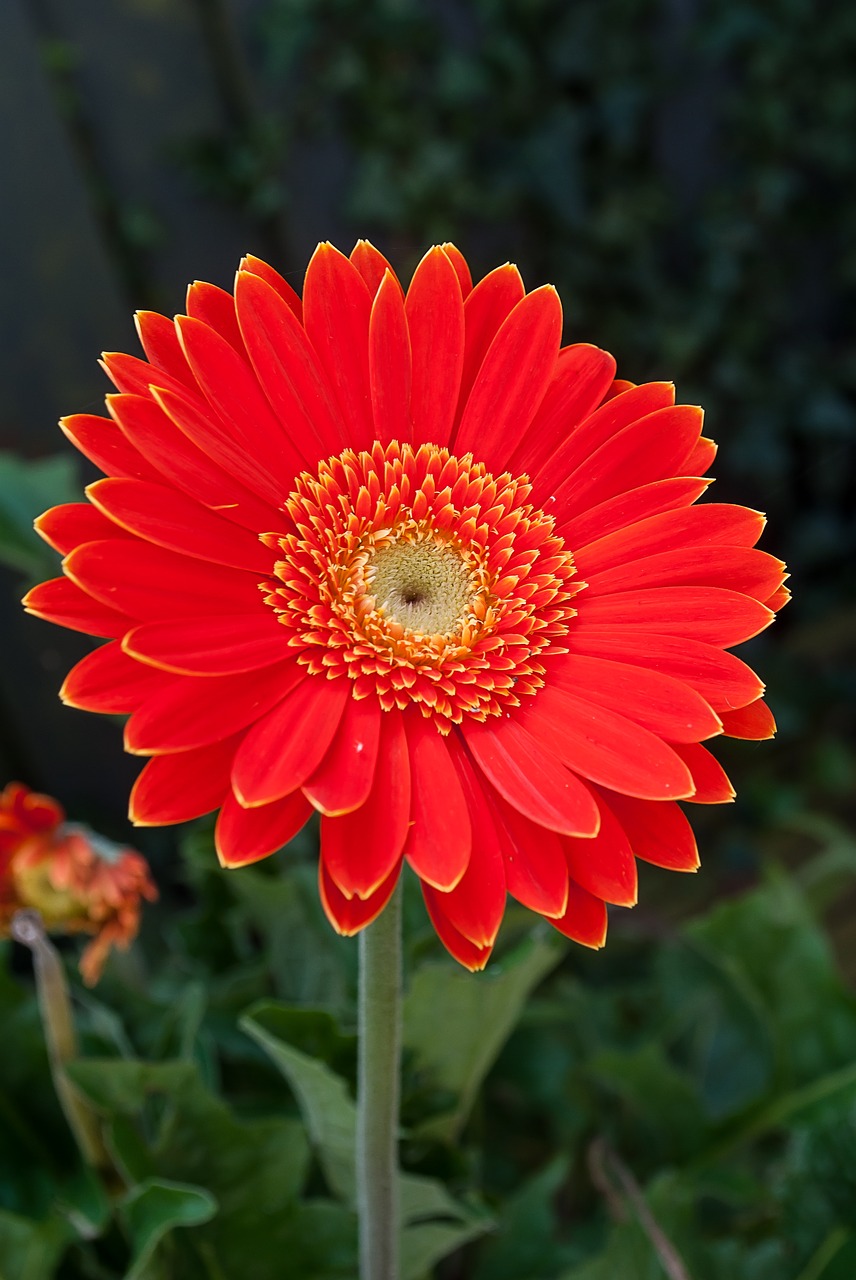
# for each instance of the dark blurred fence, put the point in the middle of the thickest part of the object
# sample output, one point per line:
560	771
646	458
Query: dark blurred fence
682	170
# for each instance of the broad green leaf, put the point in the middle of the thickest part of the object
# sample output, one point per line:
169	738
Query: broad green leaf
325	1102
525	1241
153	1209
426	1244
658	1103
455	1023
434	1223
27	488
116	1085
721	1017
31	1250
772	941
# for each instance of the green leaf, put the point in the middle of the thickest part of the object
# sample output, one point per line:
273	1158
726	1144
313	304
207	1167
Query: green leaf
27	488
525	1243
331	1118
114	1085
31	1250
423	1246
325	1102
477	1013
658	1102
153	1209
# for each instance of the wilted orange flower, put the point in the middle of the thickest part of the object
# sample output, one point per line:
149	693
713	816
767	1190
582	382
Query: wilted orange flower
404	559
77	881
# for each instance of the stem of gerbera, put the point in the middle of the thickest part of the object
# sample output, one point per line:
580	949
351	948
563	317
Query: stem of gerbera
379	1027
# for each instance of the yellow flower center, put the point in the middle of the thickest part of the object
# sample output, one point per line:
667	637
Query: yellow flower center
425	586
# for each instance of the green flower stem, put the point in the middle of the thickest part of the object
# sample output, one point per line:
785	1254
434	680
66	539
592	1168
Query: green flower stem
55	1010
378	1093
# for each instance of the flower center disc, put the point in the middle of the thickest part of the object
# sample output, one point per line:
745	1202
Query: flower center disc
423	578
424	586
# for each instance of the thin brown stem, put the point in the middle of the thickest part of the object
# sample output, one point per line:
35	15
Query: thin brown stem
605	1161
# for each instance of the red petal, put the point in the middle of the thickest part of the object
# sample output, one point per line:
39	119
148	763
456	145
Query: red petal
162	347
604	866
349	915
701	459
513	379
666	706
193	711
215	308
778	599
584	919
287	745
650	449
246	835
658	832
336	310
472	957
63	602
224	445
583	374
530	778
210	646
753	573
485	309
371	264
179	788
713	523
440	837
628	508
233	391
474	908
435	316
605	747
389	363
288	370
101	441
68	525
753	722
617	387
362	850
711	783
134	377
170	519
536	870
148	582
723	618
603	424
462	271
187	467
108	680
343	780
721	679
256	267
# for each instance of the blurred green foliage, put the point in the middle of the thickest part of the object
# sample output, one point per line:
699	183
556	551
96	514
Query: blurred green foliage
711	1071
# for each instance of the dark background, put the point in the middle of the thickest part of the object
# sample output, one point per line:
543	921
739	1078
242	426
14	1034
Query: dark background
682	170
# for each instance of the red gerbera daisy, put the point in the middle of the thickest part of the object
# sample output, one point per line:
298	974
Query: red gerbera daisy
404	559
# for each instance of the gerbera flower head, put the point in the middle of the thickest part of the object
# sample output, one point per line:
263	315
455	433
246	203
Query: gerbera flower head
400	557
75	879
